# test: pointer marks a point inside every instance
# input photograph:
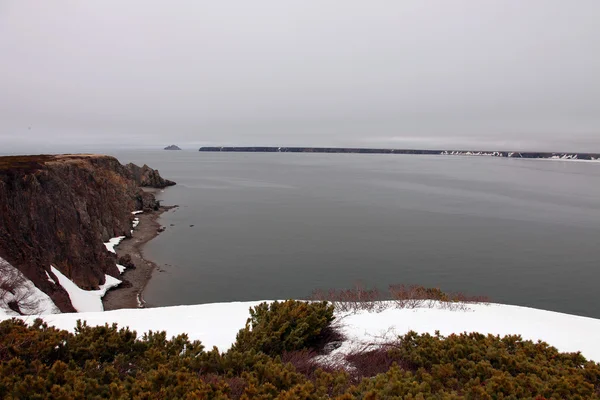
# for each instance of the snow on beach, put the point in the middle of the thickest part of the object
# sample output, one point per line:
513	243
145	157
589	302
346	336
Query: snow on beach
85	300
217	324
136	220
112	243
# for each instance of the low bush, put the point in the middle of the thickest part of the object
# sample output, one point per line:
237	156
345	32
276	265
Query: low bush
41	362
285	326
482	367
357	298
360	298
415	296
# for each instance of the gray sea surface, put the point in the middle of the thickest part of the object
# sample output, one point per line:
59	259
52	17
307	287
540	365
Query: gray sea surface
253	226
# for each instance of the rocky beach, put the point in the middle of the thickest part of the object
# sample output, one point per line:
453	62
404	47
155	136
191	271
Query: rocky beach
139	269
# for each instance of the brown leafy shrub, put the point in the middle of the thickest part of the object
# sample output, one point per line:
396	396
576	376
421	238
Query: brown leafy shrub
304	361
354	299
370	362
415	296
359	298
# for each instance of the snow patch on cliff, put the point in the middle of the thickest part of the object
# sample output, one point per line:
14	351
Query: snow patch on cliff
85	300
15	287
112	243
50	278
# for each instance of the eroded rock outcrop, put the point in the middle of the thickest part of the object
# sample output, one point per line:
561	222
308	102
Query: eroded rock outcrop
147	177
58	210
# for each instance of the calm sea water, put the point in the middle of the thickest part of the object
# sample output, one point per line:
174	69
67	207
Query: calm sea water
274	226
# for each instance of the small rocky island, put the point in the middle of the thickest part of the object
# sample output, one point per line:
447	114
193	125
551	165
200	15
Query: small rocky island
172	147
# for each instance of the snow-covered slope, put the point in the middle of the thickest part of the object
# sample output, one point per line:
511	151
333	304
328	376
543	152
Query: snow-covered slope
85	300
568	333
31	300
217	324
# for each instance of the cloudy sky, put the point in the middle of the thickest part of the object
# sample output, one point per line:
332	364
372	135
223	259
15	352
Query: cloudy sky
494	74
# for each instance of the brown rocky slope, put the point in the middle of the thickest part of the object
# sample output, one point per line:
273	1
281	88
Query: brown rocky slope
59	210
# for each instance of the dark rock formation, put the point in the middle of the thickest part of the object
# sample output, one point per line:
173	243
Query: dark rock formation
126	261
147	177
172	147
59	210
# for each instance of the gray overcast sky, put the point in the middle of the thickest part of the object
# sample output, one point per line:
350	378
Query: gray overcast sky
496	74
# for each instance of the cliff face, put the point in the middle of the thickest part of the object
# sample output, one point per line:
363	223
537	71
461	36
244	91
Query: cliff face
147	177
58	210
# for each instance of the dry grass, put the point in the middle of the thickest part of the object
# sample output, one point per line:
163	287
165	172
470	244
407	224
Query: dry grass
360	298
33	163
23	163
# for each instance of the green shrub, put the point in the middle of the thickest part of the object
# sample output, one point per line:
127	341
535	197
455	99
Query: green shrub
37	342
41	362
231	363
483	367
103	343
284	326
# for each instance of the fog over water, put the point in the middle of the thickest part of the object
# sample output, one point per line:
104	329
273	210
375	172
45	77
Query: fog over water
491	74
130	77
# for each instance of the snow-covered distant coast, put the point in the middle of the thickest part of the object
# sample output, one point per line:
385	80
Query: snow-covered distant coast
217	324
572	156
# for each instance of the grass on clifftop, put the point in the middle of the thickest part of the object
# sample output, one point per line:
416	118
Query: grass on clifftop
27	163
32	163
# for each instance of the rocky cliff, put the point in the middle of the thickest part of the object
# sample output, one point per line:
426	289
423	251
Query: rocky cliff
59	210
147	177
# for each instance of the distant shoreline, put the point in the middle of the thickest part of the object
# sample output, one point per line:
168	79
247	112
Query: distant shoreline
350	150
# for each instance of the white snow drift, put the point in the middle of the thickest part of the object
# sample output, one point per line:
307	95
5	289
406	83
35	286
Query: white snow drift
31	299
85	300
112	243
217	324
